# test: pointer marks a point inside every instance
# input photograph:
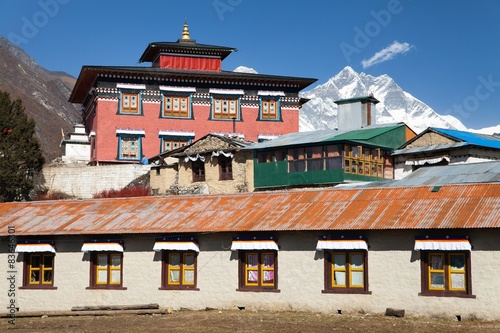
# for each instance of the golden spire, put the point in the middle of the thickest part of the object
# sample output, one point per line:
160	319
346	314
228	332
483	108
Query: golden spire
185	31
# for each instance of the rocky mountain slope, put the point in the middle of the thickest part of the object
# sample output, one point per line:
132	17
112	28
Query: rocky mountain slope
396	105
44	94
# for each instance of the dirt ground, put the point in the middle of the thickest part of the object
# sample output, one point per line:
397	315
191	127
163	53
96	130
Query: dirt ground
245	321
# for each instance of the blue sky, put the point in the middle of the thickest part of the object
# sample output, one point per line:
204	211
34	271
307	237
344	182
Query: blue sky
445	53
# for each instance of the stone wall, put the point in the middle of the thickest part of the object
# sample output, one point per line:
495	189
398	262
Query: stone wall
83	181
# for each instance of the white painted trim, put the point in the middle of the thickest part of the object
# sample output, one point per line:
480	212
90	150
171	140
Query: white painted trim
41	247
442	245
226	91
270	93
180	89
428	160
176	133
267	136
254	245
130	131
103	246
340	244
130	86
176	246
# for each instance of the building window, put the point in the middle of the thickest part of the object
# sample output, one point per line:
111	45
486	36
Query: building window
345	272
271	156
314	158
446	273
225	108
225	167
269	109
296	160
198	167
38	270
172	143
258	270
364	161
106	270
129	147
179	270
176	106
130	102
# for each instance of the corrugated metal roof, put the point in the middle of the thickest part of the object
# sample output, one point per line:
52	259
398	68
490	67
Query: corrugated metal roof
482	172
478	139
328	135
452	206
436	148
486	172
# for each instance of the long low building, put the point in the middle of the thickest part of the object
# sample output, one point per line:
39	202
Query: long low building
429	250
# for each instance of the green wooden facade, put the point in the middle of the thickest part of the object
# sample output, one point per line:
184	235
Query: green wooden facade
327	157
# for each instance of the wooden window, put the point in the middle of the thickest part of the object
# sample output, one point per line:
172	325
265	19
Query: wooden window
169	144
296	160
315	160
130	103
346	272
129	147
258	271
333	158
269	109
225	167
38	270
446	273
363	161
225	108
176	106
198	167
106	270
179	270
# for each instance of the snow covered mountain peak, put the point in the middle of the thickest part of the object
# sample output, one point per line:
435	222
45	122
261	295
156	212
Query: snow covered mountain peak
395	105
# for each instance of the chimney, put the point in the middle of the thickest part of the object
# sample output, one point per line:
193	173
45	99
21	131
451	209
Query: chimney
356	113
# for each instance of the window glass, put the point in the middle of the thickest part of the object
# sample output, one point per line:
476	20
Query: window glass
102	276
259	270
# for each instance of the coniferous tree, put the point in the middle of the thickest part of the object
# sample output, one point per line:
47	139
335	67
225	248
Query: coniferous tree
20	152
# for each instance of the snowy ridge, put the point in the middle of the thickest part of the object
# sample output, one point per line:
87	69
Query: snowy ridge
396	105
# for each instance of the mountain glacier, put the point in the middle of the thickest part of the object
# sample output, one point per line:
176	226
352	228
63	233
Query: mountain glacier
396	105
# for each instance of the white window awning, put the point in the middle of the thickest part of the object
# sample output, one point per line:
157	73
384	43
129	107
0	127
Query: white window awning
270	93
341	244
177	133
226	91
176	246
427	160
130	131
130	86
38	247
178	89
442	245
253	244
102	246
267	136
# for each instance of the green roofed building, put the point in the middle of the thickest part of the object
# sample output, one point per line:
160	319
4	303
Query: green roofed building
328	157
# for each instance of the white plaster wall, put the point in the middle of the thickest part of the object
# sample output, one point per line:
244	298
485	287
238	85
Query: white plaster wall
76	152
393	272
83	181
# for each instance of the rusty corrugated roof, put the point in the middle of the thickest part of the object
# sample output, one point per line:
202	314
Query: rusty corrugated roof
426	207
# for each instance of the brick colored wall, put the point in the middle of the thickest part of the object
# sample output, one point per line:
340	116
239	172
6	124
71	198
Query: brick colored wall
108	120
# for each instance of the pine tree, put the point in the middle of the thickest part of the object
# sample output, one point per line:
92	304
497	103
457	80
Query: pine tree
20	152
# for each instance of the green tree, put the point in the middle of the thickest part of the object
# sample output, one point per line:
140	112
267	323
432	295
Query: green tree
20	152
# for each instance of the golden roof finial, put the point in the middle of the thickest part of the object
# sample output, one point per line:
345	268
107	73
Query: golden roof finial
185	31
